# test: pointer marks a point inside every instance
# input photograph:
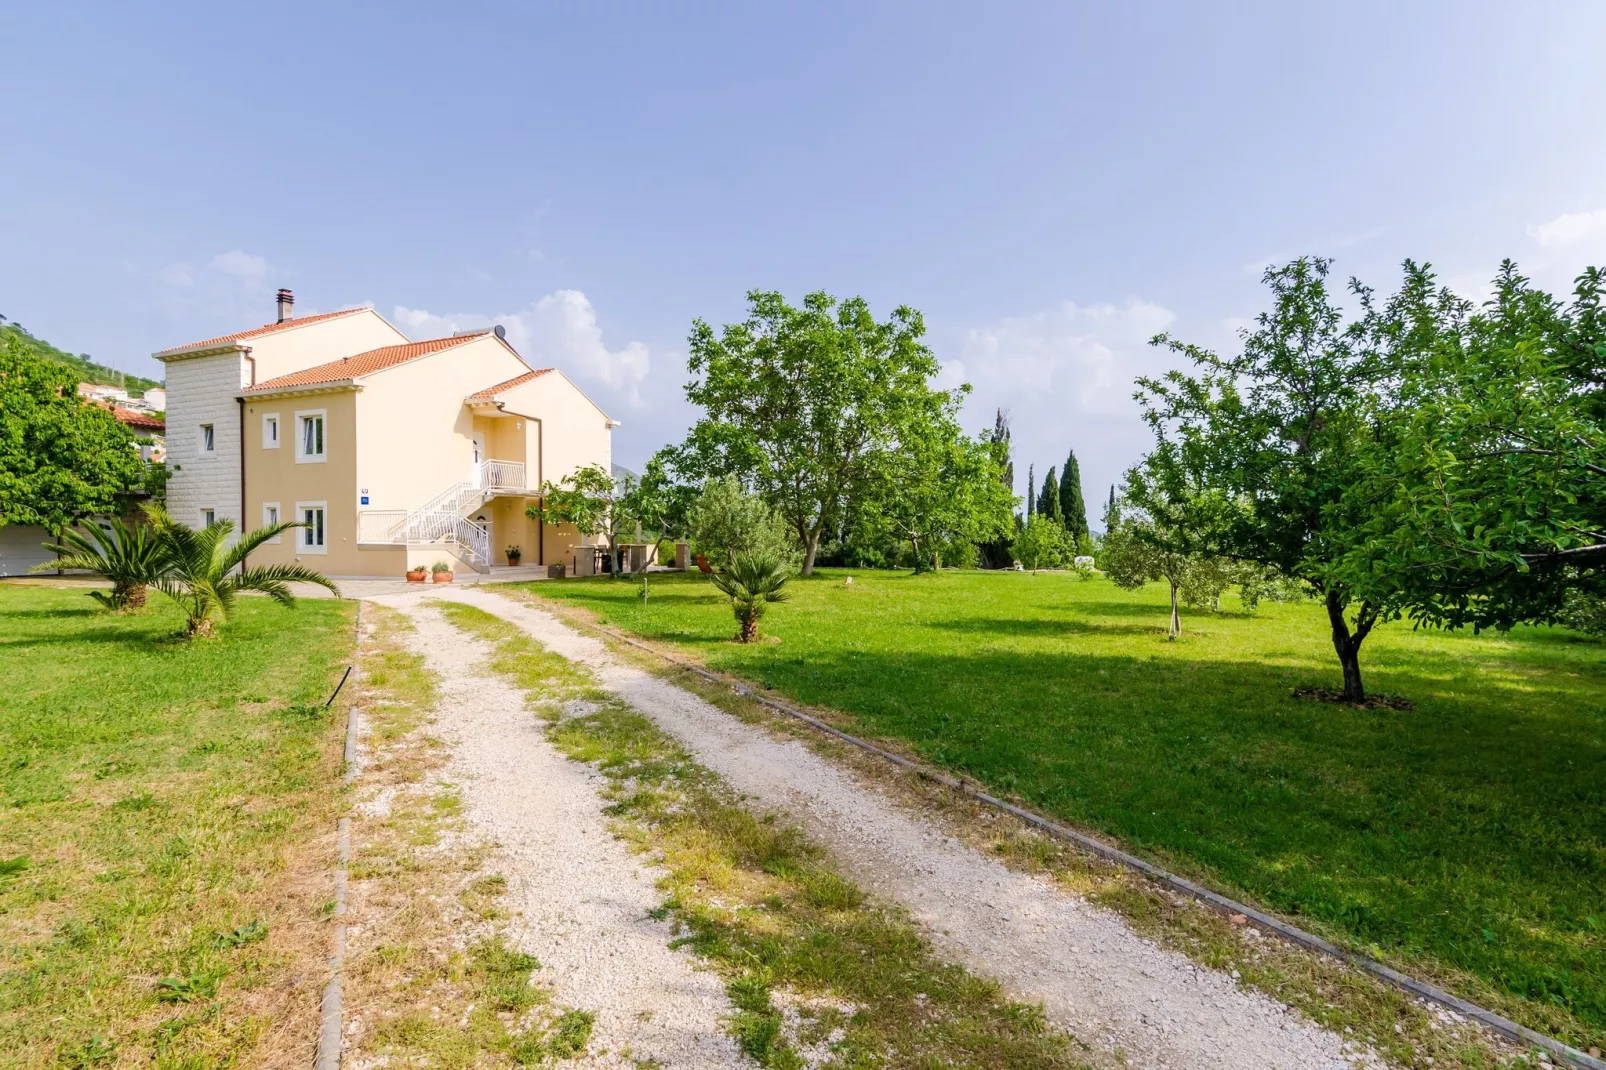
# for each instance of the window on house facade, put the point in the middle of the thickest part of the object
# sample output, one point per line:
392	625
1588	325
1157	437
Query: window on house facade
309	436
310	538
208	517
270	431
270	517
208	438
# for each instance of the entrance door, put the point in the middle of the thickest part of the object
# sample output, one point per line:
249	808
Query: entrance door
479	457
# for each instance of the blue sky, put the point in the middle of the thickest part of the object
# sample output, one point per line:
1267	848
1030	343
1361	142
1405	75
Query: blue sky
1048	183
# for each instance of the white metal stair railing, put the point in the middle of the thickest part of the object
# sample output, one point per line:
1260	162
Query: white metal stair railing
441	519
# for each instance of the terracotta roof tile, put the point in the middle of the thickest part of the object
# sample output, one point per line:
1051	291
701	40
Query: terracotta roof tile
517	380
257	332
364	363
142	421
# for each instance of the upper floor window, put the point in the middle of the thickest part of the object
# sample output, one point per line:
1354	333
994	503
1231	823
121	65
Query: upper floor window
208	438
309	436
270	431
208	517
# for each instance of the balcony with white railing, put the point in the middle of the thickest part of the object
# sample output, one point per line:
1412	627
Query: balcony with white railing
501	475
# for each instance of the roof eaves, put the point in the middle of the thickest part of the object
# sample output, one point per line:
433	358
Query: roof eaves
300	388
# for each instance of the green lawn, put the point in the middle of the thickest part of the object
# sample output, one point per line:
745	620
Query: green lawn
1466	838
161	886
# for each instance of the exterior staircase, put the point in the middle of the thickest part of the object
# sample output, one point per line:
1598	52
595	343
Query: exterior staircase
443	519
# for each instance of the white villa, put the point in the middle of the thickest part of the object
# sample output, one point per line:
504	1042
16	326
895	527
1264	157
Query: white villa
394	453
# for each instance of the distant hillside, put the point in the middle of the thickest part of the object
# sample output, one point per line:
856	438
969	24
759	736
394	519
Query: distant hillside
88	371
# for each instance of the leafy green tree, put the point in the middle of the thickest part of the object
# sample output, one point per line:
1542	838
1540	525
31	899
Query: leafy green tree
1172	529
1482	494
129	555
1048	499
62	459
1043	543
1281	427
752	583
995	553
204	572
939	488
805	405
594	503
1073	509
725	520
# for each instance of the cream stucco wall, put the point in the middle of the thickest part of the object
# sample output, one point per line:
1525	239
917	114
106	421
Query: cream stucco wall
574	432
274	475
296	348
414	430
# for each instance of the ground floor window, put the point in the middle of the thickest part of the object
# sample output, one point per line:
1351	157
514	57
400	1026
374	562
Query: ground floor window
208	517
310	539
270	517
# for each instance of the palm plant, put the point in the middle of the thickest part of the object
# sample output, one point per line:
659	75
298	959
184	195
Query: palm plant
204	571
127	554
752	582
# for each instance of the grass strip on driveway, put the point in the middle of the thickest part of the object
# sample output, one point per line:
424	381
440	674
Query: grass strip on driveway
432	979
812	966
1463	841
166	820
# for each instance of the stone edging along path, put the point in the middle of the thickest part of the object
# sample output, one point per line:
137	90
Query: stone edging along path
1421	989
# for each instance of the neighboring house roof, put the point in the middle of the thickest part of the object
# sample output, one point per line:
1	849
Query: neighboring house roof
139	421
257	332
348	368
517	380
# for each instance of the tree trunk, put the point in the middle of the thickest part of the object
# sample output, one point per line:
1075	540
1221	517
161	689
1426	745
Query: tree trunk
613	552
811	546
749	629
1347	644
1176	618
135	599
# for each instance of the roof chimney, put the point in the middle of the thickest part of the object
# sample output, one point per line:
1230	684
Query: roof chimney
286	300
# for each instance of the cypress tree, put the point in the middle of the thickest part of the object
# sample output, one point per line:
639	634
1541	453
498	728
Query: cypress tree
1031	490
1072	508
1111	520
1048	502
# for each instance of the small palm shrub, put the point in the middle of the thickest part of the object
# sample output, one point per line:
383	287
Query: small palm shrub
204	572
752	582
129	555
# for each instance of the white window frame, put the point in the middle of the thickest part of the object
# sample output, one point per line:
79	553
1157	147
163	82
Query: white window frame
302	534
201	514
302	457
208	438
270	420
273	507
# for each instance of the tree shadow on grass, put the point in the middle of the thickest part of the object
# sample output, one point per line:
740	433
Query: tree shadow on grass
1429	819
1040	628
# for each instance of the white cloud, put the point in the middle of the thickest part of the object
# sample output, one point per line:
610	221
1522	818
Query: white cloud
241	265
179	274
560	329
1065	375
1569	228
1085	355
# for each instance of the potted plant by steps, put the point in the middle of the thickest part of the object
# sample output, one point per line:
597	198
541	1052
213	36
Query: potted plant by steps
513	555
441	572
417	574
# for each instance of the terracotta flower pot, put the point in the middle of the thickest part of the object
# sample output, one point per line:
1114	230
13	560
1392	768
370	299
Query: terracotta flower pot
443	577
513	562
417	575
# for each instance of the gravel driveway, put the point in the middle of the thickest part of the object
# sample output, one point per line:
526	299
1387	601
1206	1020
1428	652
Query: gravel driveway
1096	978
580	897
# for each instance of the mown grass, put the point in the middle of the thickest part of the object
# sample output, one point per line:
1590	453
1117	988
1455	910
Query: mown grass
813	969
166	811
432	979
1465	839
